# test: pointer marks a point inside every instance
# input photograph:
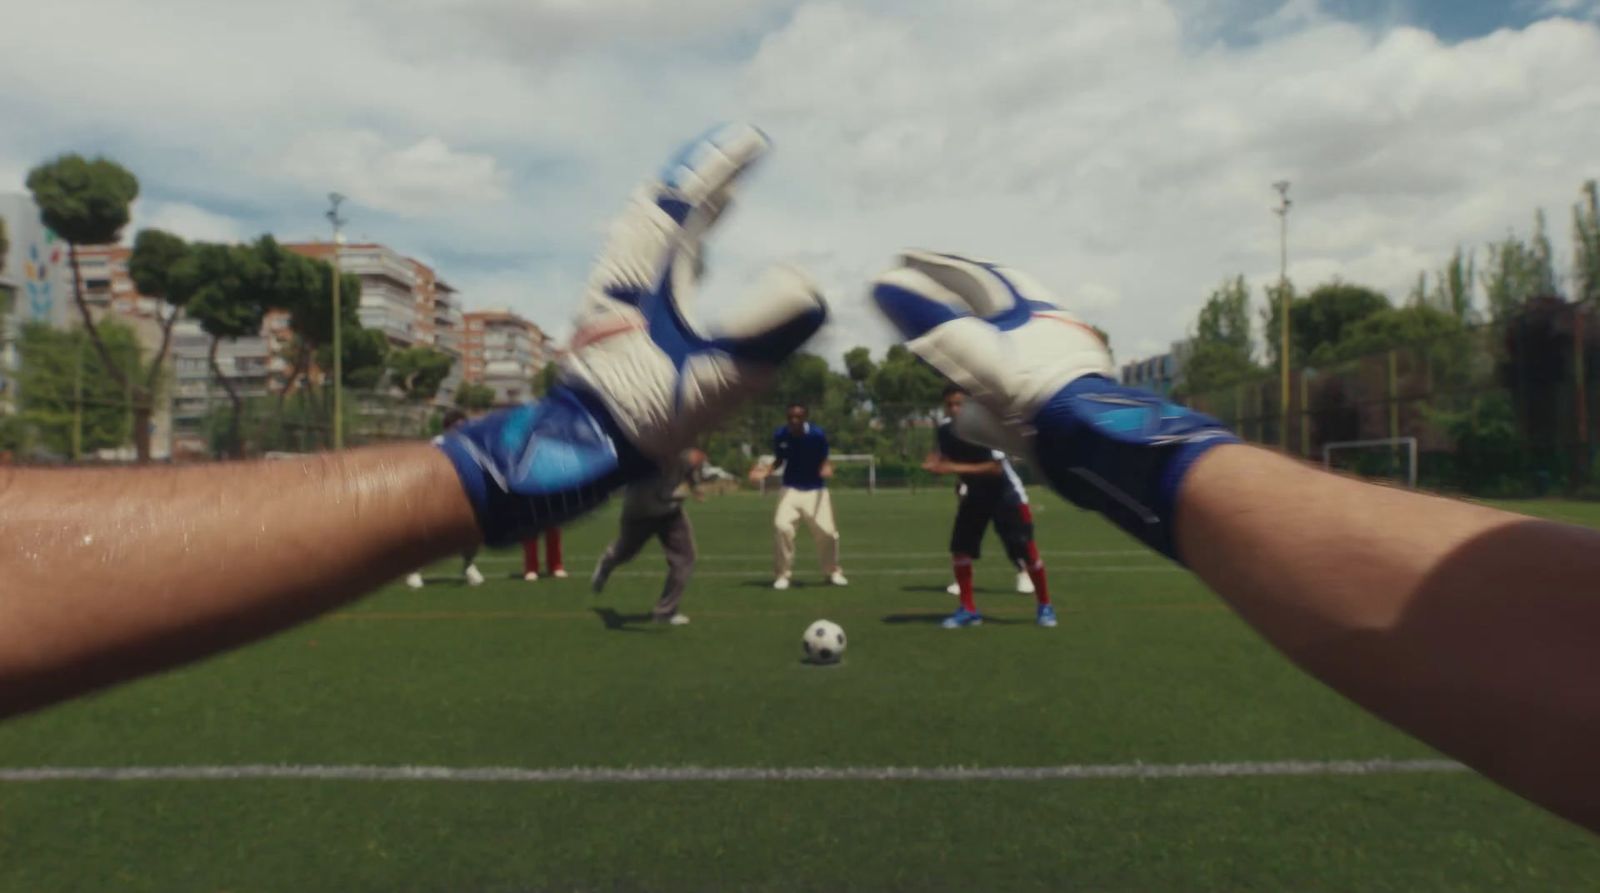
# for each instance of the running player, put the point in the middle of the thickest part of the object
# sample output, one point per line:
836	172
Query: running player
991	492
653	508
801	448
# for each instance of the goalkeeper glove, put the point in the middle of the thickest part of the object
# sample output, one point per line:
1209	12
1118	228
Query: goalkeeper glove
1043	383
640	380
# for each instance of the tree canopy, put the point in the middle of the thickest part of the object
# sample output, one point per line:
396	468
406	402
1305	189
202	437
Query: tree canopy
85	201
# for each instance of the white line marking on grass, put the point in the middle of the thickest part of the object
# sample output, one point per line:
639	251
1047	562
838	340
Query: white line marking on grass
592	775
871	556
757	574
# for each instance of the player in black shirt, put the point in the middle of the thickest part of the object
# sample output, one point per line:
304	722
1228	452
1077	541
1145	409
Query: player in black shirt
991	492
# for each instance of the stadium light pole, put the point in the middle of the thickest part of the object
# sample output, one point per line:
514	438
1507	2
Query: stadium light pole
334	200
1282	210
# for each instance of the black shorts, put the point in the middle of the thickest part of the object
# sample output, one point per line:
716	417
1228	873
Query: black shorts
1012	521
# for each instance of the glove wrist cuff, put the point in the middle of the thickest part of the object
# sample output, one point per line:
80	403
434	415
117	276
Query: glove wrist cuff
1124	453
540	464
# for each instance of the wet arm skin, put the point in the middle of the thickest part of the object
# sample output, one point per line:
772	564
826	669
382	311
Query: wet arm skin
106	575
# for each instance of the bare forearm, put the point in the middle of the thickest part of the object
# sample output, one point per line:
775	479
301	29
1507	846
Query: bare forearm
979	469
111	574
1475	630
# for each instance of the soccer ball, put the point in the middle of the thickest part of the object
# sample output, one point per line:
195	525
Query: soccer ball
823	642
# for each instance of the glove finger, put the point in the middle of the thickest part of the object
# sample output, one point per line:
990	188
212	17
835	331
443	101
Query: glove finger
699	178
916	303
787	310
1007	299
979	283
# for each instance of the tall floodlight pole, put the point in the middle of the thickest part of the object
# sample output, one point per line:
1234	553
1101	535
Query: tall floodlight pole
334	200
1282	210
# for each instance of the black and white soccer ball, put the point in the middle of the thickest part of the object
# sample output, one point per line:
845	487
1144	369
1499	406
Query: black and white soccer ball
824	642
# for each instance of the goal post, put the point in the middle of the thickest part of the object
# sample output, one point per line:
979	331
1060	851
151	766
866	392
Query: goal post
870	460
1408	443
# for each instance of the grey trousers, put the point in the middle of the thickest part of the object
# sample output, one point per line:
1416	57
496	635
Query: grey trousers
677	541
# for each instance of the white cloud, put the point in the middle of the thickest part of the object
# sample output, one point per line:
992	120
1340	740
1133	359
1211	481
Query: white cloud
186	220
424	177
1122	152
1589	9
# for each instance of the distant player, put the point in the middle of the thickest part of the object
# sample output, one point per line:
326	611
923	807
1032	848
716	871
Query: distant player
653	508
552	555
992	493
801	448
453	419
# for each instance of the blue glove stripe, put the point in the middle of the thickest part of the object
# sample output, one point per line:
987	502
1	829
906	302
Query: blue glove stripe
1124	453
911	312
668	329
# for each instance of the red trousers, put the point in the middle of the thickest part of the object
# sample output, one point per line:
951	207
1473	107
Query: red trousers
552	551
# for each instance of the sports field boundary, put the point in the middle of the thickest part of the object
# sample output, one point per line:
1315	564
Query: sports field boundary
655	774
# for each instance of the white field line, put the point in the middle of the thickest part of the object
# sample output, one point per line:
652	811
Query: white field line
591	775
870	556
759	573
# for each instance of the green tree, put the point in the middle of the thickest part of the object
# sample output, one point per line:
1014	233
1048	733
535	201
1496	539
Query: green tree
1452	289
5	244
903	388
68	405
303	288
1225	318
1219	349
419	371
803	378
155	255
1586	245
1271	320
1326	314
86	202
1518	271
546	379
473	397
1393	327
225	288
858	364
364	357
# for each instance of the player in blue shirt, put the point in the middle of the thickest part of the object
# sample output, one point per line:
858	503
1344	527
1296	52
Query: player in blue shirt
990	492
801	448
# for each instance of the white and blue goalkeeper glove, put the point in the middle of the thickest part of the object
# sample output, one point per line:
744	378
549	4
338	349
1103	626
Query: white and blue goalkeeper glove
1043	383
640	380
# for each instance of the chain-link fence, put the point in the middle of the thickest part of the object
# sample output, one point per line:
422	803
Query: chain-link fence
1504	409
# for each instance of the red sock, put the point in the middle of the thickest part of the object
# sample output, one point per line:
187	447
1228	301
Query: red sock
1035	568
530	556
552	548
963	568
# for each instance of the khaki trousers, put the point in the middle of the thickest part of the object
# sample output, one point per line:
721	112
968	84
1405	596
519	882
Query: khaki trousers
815	508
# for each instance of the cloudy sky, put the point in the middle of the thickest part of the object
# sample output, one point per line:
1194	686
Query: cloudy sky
1122	150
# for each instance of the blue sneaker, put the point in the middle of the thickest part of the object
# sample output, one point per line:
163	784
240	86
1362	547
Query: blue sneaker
963	617
1046	616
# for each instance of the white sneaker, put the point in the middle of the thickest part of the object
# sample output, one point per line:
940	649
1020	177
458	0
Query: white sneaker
781	583
559	573
674	620
1024	583
531	576
473	575
953	589
414	580
837	579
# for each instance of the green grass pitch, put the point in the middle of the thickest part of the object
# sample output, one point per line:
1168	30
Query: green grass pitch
1147	667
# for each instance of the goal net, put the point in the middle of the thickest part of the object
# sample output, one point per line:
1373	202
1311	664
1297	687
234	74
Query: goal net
1387	458
849	470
